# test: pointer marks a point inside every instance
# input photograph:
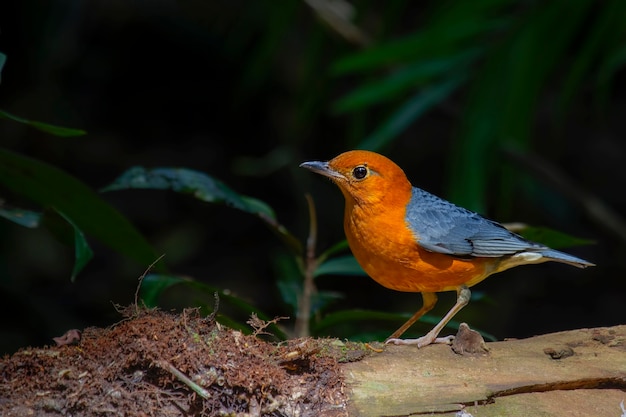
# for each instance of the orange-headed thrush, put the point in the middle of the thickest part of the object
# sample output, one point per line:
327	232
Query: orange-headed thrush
407	239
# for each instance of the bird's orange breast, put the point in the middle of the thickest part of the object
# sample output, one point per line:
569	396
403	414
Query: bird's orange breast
388	251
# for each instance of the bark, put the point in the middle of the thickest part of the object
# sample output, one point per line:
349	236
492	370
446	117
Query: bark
574	373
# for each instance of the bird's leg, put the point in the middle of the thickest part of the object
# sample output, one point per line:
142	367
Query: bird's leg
429	301
462	298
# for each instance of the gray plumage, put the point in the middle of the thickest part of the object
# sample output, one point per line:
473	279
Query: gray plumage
443	227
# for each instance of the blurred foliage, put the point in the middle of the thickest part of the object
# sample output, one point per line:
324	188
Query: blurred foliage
204	188
552	238
504	54
297	271
250	89
80	206
44	127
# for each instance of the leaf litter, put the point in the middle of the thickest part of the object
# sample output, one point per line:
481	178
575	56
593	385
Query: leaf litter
155	363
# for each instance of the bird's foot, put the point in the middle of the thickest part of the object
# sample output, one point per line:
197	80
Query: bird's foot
422	341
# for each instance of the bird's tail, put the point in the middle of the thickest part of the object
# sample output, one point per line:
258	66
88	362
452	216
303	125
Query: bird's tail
555	255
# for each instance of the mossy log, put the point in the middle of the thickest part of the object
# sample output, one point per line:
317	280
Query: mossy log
572	373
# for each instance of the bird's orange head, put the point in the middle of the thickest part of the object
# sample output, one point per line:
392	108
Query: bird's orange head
365	178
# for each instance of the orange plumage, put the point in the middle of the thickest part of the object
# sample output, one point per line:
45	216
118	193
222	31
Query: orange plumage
409	240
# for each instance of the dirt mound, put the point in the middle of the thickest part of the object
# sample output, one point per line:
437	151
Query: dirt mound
162	364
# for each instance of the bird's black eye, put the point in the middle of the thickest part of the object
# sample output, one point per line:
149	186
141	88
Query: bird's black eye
359	172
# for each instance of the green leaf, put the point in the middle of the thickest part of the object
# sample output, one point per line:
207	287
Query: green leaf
355	315
31	219
503	96
290	292
82	252
52	188
600	32
44	127
404	80
322	299
552	238
452	27
343	265
187	181
204	188
26	218
65	230
410	111
336	248
290	279
154	285
435	41
260	60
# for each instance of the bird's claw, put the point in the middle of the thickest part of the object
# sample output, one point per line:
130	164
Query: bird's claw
447	340
421	341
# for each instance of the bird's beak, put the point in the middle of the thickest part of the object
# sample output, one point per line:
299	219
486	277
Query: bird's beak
321	167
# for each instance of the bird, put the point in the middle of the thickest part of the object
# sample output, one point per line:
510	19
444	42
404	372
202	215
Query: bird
410	240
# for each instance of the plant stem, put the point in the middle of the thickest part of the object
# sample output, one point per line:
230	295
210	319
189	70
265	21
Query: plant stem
310	264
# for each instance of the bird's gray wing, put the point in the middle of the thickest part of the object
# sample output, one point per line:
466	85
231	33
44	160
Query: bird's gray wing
443	227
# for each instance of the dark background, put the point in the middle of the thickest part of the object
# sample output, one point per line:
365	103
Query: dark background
245	91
